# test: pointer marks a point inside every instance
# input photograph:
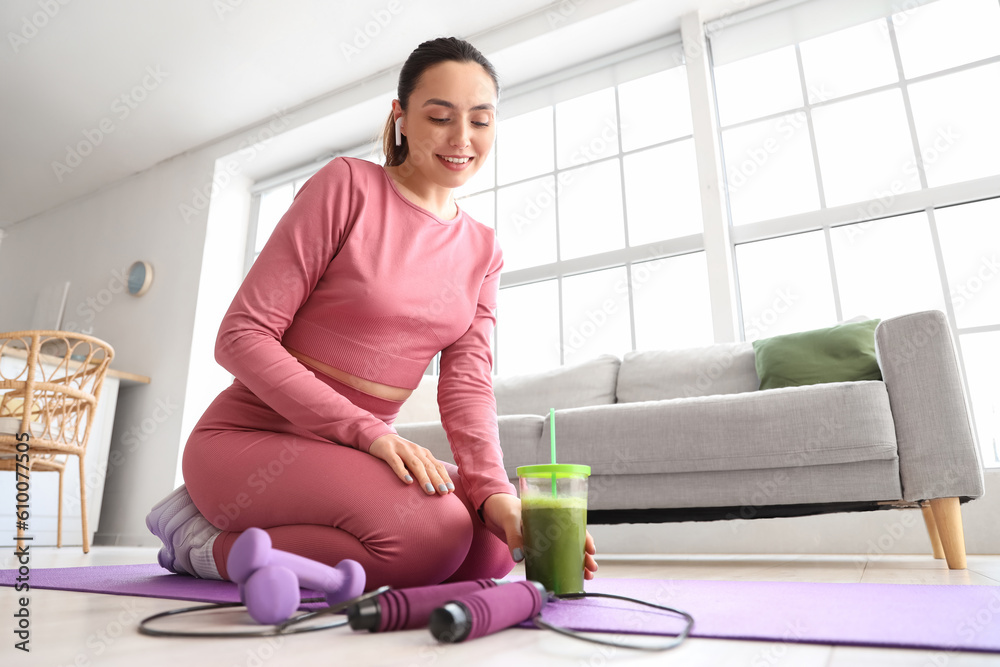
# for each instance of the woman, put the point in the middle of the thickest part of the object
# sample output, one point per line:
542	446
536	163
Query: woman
370	273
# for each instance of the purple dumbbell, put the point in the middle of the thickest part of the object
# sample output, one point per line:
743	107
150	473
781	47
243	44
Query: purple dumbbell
270	579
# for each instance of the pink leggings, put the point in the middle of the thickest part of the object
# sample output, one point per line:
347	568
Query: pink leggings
247	466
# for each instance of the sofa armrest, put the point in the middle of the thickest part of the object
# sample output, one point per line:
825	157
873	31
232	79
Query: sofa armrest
938	454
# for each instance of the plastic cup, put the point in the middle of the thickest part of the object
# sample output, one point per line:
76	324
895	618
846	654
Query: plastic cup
554	524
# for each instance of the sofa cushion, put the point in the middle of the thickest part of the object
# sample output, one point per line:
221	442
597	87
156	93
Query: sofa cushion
841	353
588	383
518	437
821	424
654	375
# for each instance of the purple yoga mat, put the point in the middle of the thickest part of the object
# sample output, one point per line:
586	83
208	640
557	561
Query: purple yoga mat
960	618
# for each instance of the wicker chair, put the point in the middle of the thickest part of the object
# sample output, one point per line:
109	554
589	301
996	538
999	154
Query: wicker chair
50	382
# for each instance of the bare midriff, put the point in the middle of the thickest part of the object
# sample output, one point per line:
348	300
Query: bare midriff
361	384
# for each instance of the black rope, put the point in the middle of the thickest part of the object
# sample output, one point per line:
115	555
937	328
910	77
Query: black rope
677	641
288	627
294	624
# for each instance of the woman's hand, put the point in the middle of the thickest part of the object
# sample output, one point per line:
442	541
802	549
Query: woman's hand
405	457
502	515
589	564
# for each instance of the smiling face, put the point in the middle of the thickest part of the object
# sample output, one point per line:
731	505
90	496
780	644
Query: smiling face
449	123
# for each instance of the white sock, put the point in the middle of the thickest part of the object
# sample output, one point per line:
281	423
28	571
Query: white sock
186	534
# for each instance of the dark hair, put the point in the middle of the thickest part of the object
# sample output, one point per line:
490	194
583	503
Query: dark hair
432	52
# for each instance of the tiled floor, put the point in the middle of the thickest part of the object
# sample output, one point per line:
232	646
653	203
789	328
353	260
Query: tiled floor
83	629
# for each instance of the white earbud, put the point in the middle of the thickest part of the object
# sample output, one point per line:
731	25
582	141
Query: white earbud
399	131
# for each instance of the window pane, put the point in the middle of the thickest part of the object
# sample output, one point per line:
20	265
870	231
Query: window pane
864	148
480	207
970	243
595	315
273	204
758	86
667	93
848	61
947	33
979	352
769	169
586	128
524	146
484	179
671	302
785	285
527	228
887	267
527	329
662	192
955	118
590	210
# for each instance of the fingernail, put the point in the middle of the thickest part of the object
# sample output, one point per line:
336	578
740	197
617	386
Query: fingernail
451	487
430	489
408	479
518	555
442	488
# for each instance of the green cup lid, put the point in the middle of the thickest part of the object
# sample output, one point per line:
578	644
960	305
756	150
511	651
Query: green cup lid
558	469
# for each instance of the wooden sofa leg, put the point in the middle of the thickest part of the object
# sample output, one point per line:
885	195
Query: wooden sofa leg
948	519
932	530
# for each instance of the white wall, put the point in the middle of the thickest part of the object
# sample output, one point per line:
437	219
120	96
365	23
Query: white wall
90	242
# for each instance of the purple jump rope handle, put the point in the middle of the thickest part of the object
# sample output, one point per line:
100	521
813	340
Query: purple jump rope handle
263	575
410	608
487	611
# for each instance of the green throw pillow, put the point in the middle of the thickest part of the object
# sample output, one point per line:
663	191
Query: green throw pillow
842	353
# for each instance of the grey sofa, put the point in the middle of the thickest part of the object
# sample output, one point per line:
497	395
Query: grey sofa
681	435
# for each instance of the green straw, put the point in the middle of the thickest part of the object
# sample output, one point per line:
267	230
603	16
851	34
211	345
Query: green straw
552	431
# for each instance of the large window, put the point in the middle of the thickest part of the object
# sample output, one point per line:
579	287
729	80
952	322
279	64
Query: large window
860	170
858	152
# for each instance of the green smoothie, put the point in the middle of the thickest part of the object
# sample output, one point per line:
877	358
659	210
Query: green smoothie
555	530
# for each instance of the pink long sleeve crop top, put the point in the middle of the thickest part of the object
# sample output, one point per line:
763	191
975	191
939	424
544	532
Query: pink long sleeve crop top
359	277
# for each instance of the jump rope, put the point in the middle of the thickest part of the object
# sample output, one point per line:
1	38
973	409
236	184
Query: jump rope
269	580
